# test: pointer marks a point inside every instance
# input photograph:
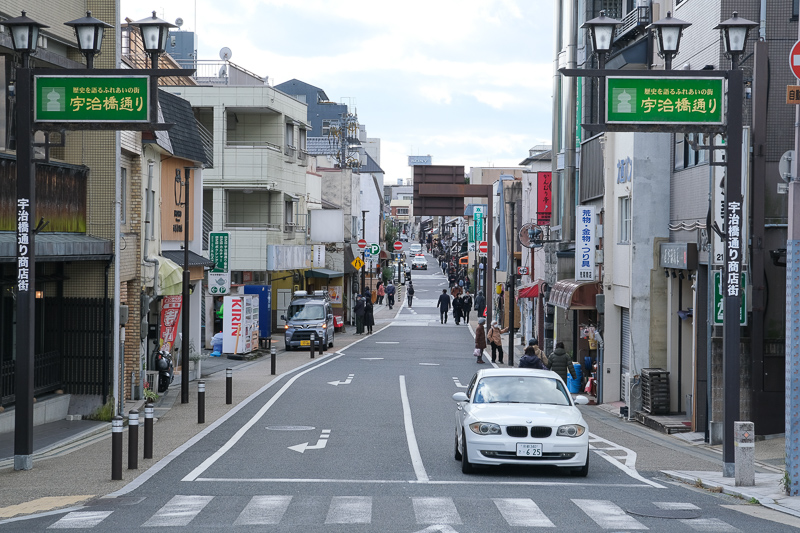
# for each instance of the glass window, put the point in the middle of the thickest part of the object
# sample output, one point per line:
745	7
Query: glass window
306	312
680	156
123	186
248	208
624	220
521	389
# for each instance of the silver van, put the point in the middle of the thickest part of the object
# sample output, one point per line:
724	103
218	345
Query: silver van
307	314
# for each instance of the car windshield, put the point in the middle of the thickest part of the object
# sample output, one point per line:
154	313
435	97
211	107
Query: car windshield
521	389
305	312
415	247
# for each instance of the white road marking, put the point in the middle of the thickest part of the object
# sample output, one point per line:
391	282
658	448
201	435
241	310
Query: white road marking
608	515
179	511
205	465
709	525
676	506
458	383
81	520
263	510
387	342
372	358
345	382
429	364
522	512
350	510
321	443
416	482
411	438
600	446
435	511
441	528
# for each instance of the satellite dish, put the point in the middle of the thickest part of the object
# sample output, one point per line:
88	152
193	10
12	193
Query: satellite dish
225	53
179	22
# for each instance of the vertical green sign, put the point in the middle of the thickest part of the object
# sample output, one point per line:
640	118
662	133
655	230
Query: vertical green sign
664	100
91	99
471	233
718	300
218	244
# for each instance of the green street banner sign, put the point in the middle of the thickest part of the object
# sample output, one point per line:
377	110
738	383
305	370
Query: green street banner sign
719	300
218	246
91	99
664	100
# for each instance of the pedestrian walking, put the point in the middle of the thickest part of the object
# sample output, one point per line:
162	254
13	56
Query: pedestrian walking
480	340
561	363
457	303
495	341
531	358
381	293
480	303
451	277
410	293
467	306
359	309
390	290
444	306
369	317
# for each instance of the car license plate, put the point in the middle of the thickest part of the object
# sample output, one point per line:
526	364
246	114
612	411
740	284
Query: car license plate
529	450
305	343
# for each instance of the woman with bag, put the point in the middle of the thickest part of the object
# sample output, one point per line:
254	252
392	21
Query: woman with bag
480	340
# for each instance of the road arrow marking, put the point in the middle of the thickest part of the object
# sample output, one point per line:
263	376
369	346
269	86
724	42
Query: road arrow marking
438	527
321	443
345	382
458	383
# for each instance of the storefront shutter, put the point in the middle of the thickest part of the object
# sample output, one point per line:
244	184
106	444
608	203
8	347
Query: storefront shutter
625	342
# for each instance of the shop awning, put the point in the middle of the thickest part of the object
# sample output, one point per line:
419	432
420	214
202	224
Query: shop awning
58	247
574	294
323	273
176	256
530	290
170	277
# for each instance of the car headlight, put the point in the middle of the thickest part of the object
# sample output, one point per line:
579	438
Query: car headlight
324	326
286	326
485	428
570	430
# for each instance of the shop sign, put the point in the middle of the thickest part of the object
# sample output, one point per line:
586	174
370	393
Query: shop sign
218	246
91	99
680	255
585	235
170	318
719	300
664	100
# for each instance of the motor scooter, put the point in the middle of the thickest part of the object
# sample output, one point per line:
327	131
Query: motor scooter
166	371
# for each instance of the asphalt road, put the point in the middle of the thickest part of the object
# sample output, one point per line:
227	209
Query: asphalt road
362	440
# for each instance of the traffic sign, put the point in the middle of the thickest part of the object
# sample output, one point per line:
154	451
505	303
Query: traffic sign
522	271
357	263
398	245
374	249
794	59
483	247
362	243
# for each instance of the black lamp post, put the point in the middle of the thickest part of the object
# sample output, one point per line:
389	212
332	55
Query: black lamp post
734	36
668	36
155	33
89	32
602	32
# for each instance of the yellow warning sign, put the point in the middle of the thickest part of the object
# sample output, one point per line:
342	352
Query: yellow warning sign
357	263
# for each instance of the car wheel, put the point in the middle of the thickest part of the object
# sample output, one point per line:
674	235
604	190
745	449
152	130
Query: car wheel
456	453
330	344
466	466
584	470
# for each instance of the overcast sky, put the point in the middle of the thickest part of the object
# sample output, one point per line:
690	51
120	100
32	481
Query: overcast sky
465	81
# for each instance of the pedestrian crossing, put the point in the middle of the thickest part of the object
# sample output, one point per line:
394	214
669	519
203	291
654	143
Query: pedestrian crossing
273	510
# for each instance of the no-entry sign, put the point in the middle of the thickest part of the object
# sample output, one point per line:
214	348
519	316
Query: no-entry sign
398	245
483	247
794	59
362	243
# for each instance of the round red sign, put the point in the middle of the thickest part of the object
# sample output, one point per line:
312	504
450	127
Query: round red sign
398	245
794	59
483	247
362	243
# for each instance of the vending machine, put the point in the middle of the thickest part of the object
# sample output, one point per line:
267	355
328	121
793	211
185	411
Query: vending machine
240	324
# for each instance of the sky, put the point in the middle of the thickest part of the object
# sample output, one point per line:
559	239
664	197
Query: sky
468	82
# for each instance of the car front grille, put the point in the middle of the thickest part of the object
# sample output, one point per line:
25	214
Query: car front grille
304	335
537	432
546	456
518	432
541	432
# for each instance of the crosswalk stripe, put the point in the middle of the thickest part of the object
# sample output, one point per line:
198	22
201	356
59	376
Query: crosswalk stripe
262	510
676	506
350	510
435	511
709	525
522	512
179	511
608	515
81	520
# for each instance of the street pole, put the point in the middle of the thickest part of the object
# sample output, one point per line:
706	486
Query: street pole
363	251
511	287
185	314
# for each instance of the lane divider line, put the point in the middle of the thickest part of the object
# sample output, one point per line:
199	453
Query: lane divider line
413	448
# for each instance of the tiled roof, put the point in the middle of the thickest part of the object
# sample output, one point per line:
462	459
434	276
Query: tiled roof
184	135
322	145
371	166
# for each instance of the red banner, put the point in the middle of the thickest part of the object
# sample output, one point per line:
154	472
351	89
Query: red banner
544	204
170	318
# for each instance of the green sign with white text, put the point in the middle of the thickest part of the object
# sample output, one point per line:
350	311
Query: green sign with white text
91	99
719	300
664	100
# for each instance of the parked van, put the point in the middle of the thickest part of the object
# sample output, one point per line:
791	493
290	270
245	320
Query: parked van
307	314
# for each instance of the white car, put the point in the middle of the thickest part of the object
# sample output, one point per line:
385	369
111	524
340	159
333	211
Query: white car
520	416
415	248
419	262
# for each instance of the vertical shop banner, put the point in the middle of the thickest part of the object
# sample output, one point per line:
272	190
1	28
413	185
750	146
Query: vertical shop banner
585	237
170	319
544	198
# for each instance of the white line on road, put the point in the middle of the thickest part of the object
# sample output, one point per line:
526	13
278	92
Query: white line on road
435	511
415	482
608	515
413	448
179	511
350	510
372	358
458	383
345	382
429	364
321	443
629	459
81	520
263	510
387	342
522	512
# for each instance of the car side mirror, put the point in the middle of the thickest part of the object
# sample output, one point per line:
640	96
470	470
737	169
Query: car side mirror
581	400
283	317
330	316
462	397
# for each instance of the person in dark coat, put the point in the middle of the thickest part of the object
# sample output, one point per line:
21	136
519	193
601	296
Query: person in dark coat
410	293
466	306
559	362
480	303
369	317
451	278
480	340
457	309
444	306
359	309
390	290
531	358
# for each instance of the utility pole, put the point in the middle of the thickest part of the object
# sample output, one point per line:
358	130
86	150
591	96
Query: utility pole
363	251
511	286
185	292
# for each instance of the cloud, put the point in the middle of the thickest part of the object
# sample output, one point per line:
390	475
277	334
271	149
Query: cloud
436	94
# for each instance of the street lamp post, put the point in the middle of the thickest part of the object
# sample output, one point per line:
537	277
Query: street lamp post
89	32
668	36
155	33
602	31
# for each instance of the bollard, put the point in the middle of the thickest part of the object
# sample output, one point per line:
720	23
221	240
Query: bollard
272	353
313	341
228	386
201	402
744	453
116	448
148	431
133	440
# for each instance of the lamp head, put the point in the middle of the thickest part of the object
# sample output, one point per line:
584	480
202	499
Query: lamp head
602	31
668	34
734	33
155	33
24	33
89	32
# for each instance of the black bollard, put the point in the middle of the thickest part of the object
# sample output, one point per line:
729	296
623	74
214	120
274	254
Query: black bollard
148	431
133	440
116	448
201	402
272	354
313	341
228	386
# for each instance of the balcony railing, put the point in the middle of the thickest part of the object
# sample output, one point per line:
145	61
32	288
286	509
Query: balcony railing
254	144
638	17
219	72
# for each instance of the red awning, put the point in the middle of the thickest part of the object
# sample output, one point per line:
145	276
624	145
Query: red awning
529	291
573	294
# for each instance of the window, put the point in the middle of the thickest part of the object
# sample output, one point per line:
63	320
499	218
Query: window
123	185
402	210
288	214
327	125
247	208
290	136
686	152
624	220
795	9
